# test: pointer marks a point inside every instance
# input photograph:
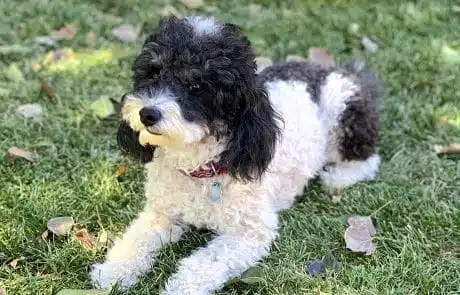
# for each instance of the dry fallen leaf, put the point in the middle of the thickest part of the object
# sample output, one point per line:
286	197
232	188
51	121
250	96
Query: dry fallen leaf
443	121
369	44
86	240
358	236
47	90
103	239
2	291
14	262
46	41
29	110
60	225
121	170
452	149
64	33
263	63
321	56
32	110
421	84
15	152
193	4
58	55
337	198
125	32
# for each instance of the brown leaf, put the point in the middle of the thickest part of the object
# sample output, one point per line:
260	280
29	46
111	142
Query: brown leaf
64	33
86	240
452	149
125	32
358	236
321	56
14	262
121	170
15	152
2	291
193	4
47	90
444	120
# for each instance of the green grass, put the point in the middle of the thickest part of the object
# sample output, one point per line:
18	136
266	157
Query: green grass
415	199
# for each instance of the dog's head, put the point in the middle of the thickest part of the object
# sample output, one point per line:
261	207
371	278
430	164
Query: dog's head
193	79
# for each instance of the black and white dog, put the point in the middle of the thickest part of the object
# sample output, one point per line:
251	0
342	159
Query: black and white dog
231	148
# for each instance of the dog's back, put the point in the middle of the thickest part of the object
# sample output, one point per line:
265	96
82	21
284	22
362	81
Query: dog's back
348	98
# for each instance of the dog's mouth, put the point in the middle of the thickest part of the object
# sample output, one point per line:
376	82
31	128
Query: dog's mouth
154	132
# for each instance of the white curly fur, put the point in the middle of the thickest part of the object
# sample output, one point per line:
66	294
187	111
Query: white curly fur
245	218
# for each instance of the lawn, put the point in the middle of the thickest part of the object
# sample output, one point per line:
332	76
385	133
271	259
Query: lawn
415	200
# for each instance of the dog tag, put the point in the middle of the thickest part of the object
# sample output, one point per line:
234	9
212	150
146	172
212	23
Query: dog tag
216	191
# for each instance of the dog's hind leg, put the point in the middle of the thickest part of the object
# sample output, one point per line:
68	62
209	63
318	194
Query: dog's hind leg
350	106
133	255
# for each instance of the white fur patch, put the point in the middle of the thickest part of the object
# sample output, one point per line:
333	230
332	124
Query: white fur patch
348	173
203	25
175	130
335	92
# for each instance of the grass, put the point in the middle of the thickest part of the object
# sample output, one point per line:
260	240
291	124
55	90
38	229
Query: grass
415	199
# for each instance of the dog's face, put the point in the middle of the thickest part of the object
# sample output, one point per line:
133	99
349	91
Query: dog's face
195	78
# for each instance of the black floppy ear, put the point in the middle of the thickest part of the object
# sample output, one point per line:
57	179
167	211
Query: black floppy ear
128	141
254	134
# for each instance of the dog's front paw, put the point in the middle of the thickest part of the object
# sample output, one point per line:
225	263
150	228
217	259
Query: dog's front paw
110	273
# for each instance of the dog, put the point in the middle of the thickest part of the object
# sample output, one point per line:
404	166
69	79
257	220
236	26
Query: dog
228	148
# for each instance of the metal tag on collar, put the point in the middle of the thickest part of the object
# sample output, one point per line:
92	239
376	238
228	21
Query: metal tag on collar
215	191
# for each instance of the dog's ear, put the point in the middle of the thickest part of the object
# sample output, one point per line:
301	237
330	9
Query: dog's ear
128	141
253	137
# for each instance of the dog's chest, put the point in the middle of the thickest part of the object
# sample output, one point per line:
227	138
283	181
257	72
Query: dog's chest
210	202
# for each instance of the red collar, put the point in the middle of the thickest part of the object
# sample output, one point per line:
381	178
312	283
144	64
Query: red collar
210	169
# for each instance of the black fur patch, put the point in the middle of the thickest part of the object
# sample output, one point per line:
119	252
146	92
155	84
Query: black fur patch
360	122
310	73
128	141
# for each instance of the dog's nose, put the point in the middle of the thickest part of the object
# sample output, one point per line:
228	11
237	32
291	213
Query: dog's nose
149	116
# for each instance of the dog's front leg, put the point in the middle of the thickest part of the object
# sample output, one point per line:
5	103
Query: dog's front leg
224	258
133	254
